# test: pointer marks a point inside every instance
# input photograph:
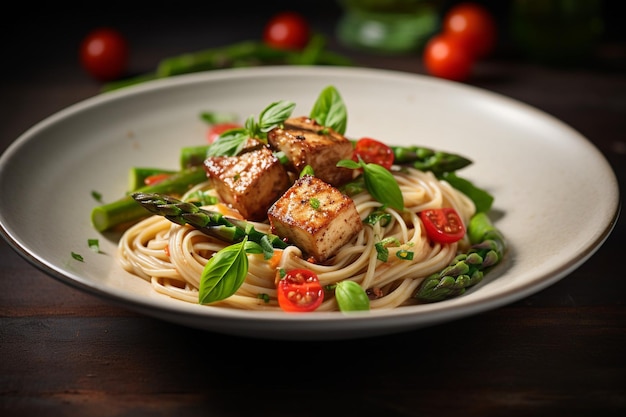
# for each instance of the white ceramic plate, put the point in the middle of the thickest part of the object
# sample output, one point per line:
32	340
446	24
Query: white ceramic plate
528	160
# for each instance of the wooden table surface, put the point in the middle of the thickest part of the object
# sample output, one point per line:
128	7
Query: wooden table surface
560	351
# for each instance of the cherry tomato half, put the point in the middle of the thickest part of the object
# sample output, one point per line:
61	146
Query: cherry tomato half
287	30
443	225
445	57
104	54
217	129
300	291
373	151
474	26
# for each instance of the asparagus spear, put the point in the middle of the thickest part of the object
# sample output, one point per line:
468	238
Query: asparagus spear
125	210
241	54
466	269
212	223
192	156
137	176
426	159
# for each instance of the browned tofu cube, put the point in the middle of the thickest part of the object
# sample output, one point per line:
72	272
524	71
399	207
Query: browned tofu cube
304	143
250	182
316	217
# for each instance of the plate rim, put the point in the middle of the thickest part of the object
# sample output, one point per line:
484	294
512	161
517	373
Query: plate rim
382	318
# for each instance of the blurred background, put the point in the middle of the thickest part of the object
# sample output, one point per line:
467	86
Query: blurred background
550	36
566	32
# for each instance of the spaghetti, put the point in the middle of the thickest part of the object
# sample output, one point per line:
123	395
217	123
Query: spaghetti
172	257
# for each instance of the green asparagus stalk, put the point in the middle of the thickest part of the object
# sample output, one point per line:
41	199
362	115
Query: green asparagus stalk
426	159
241	54
249	52
126	210
193	156
466	269
137	176
212	223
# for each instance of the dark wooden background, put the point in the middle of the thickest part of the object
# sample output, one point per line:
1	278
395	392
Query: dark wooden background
559	352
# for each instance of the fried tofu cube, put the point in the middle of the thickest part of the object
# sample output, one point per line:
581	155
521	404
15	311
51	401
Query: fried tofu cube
249	182
316	217
304	143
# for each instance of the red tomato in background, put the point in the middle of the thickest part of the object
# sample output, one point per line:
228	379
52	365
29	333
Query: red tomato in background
373	151
300	291
473	25
104	54
287	30
445	57
217	129
443	225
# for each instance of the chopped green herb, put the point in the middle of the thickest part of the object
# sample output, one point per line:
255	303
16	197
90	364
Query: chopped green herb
381	248
77	257
97	196
314	202
307	170
378	216
405	255
94	245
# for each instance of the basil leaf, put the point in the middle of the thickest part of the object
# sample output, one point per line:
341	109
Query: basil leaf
224	273
351	297
383	186
348	163
329	110
252	128
229	144
275	114
267	248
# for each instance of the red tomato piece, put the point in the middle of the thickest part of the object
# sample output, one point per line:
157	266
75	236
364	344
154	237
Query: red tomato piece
287	30
443	225
474	26
373	151
300	291
445	57
104	54
217	129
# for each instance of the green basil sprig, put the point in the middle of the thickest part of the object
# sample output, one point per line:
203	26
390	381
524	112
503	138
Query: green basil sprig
231	142
379	182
